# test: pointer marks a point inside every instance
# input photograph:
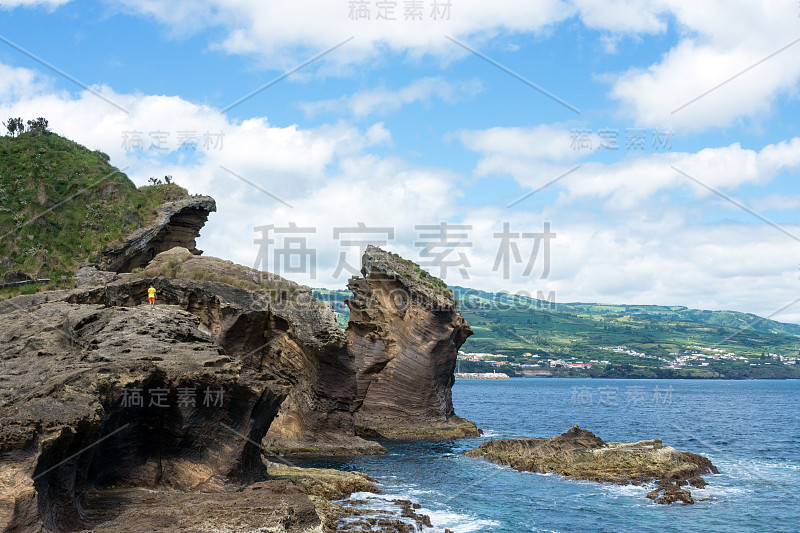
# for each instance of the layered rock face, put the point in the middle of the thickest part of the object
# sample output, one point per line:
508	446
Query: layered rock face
404	334
271	326
104	400
96	397
177	224
579	454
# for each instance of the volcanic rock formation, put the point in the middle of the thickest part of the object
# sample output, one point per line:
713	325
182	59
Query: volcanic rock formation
103	400
177	224
273	327
404	333
98	396
579	454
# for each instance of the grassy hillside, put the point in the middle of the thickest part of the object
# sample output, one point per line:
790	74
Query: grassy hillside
525	331
472	299
61	204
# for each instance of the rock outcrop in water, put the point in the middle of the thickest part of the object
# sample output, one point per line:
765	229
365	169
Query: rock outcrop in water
404	333
177	225
579	454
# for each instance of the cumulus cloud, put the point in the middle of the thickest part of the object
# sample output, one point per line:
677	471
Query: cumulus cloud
732	61
620	240
539	142
277	31
383	100
17	82
624	16
535	156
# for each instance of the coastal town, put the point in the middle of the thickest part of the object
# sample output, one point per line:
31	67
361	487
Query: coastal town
693	356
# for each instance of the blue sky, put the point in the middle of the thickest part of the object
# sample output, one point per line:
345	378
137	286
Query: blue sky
419	122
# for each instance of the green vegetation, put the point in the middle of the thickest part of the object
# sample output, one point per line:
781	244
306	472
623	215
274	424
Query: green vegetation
437	285
531	331
62	204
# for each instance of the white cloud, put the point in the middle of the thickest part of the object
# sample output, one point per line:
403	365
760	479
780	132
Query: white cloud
719	41
624	16
777	202
620	240
17	82
646	259
535	156
532	156
281	32
383	101
11	4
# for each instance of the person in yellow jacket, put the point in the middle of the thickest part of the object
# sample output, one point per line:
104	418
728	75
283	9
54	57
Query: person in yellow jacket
151	296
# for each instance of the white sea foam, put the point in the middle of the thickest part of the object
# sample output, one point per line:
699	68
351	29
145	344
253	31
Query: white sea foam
626	491
714	491
440	517
457	522
759	465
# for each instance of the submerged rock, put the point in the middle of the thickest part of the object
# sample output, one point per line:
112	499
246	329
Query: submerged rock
404	333
581	455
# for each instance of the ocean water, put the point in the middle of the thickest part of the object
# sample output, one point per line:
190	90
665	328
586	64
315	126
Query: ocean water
749	429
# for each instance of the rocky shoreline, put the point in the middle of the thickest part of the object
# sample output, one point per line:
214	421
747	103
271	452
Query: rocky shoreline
580	455
119	418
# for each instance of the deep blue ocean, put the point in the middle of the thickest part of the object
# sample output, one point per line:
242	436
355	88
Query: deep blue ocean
749	429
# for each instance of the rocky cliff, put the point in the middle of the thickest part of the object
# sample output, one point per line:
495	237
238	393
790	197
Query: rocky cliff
404	333
580	454
104	400
97	396
177	225
271	326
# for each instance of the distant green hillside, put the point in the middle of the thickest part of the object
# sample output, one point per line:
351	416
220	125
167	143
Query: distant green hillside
531	332
61	204
472	299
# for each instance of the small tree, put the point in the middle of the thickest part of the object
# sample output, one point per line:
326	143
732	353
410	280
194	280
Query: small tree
168	179
15	126
39	126
155	181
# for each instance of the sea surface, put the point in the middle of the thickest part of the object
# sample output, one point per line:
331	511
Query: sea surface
749	429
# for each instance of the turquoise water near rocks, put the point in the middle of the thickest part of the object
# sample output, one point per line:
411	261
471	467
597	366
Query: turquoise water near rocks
749	429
